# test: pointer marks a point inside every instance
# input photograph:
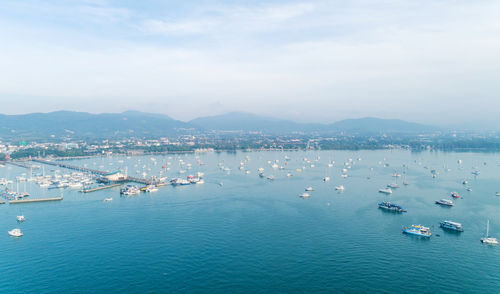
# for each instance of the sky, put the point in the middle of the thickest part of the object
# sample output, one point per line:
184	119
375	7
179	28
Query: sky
311	61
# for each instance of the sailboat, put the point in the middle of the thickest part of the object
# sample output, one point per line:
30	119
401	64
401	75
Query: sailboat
489	240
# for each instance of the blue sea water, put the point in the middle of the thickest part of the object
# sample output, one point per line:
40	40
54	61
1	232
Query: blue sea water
254	235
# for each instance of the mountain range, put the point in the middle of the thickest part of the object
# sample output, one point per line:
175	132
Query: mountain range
134	123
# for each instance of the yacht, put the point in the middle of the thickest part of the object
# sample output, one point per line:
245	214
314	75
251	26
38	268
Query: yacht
130	190
454	226
15	233
20	218
417	230
385	190
391	207
305	195
489	240
151	188
444	202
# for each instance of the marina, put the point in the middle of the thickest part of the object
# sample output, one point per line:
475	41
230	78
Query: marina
324	226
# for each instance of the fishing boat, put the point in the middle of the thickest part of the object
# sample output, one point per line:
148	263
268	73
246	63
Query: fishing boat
453	226
444	202
417	230
15	233
385	190
391	207
489	240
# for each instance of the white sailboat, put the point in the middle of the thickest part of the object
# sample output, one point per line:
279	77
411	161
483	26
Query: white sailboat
489	240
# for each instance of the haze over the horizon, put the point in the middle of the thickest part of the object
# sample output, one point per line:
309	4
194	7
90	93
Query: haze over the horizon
310	61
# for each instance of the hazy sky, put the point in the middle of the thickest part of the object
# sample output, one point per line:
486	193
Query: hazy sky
316	61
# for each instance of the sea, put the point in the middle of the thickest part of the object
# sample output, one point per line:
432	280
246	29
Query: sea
242	233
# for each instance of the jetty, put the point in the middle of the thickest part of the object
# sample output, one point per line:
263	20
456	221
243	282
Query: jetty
99	188
94	171
35	200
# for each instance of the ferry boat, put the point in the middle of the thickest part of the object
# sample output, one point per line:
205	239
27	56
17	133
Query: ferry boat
444	202
417	230
385	190
489	240
391	207
455	195
454	226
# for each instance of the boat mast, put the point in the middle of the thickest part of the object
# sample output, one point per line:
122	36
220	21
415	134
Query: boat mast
487	228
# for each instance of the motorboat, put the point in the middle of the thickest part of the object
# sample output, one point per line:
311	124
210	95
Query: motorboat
20	218
309	189
391	206
444	202
339	188
385	190
305	195
108	199
15	233
455	195
453	226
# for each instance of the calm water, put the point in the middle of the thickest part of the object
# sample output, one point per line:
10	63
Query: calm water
253	235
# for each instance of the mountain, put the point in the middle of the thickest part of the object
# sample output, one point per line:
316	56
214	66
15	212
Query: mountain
378	125
82	124
241	121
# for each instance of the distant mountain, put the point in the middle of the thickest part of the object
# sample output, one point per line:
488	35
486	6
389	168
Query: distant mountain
134	123
378	125
242	121
82	124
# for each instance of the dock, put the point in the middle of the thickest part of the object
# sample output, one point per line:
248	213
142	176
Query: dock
99	188
35	200
93	171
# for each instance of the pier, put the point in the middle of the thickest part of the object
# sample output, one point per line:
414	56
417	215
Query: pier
35	200
94	171
99	188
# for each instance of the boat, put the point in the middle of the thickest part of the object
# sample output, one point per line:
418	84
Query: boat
489	240
20	218
393	185
130	190
108	199
339	188
444	202
385	190
454	226
270	178
497	193
305	195
391	206
15	233
151	188
417	230
309	189
455	195
326	179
